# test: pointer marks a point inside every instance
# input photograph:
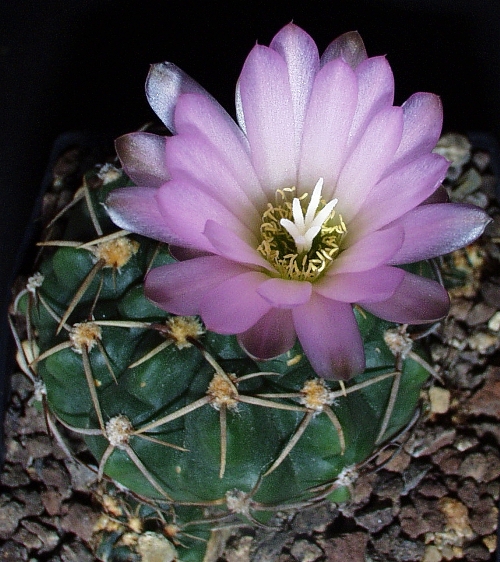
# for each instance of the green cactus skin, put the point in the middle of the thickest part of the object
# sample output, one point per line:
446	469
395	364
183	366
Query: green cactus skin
197	425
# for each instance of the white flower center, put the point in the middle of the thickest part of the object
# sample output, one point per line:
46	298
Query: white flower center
304	228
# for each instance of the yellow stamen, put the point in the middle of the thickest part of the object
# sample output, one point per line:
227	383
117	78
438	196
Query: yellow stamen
306	254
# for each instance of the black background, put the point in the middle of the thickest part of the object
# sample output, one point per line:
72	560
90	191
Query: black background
80	65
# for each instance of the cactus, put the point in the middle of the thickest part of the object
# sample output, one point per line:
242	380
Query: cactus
201	433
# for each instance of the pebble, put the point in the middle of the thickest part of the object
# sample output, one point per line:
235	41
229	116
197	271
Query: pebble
349	547
10	514
480	314
483	342
375	519
305	551
439	399
494	322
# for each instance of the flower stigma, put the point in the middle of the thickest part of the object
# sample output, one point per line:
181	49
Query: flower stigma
301	245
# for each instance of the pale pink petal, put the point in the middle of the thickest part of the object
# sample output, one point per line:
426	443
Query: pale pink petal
234	305
215	144
329	335
373	250
434	230
270	336
349	47
267	105
369	286
186	207
143	158
417	300
282	293
190	155
228	244
180	287
164	84
328	121
375	92
423	119
368	160
302	60
136	209
400	192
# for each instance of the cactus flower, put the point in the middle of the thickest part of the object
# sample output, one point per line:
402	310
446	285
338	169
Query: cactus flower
304	207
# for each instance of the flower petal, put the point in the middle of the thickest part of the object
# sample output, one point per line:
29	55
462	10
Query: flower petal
283	293
328	121
267	106
375	249
164	84
270	336
369	286
400	192
349	46
207	150
186	207
375	92
434	230
180	287
231	246
136	209
143	158
329	335
423	119
417	300
368	160
302	60
234	305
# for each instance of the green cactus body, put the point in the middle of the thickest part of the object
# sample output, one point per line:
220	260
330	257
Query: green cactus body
190	421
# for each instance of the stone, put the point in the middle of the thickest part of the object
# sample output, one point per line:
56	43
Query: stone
473	466
439	399
77	552
480	314
55	476
430	441
492	467
11	551
11	513
432	488
491	293
468	493
47	535
52	501
29	540
39	446
79	519
13	477
486	401
375	519
305	551
420	517
395	547
494	322
484	517
483	342
350	547
389	485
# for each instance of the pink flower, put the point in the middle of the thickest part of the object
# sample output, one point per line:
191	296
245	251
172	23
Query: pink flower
303	208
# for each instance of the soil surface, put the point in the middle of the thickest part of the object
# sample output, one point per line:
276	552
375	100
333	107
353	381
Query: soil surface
429	496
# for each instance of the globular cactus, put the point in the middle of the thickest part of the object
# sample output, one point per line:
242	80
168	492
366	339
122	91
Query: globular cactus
319	205
201	433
